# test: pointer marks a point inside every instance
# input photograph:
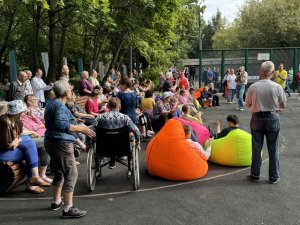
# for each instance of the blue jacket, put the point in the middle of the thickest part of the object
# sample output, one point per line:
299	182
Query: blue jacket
58	119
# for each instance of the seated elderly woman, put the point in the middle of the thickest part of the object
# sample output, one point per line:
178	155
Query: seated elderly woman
78	112
13	148
33	106
162	111
92	104
86	87
36	129
60	124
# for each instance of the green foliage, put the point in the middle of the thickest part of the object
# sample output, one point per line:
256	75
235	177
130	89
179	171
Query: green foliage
216	23
263	23
153	75
161	31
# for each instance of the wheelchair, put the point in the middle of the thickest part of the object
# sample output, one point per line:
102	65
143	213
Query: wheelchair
113	144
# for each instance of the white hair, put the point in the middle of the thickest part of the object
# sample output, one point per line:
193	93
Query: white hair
267	67
169	75
60	88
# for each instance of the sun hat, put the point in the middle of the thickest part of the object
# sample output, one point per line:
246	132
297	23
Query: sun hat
166	95
15	107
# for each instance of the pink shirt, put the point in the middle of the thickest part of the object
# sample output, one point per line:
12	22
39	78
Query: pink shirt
92	106
33	124
183	99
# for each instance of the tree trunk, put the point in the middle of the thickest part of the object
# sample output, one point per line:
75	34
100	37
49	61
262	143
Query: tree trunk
7	35
115	58
98	50
62	45
36	27
52	43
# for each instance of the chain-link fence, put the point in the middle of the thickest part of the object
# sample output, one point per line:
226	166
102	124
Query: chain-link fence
218	61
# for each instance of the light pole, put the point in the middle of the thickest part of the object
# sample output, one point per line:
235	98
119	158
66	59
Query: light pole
200	31
200	45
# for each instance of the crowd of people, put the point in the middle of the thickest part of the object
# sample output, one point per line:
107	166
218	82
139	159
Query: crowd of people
39	129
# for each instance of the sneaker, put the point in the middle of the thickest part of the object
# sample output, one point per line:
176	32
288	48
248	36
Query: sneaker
273	180
55	206
73	213
150	132
241	109
252	178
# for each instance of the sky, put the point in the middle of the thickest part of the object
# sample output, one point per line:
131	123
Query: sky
228	8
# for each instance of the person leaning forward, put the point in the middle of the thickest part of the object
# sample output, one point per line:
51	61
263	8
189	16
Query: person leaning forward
265	99
59	139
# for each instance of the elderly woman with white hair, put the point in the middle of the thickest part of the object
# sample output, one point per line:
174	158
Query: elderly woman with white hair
59	140
13	148
86	87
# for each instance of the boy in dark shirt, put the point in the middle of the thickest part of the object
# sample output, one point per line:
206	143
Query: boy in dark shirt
233	123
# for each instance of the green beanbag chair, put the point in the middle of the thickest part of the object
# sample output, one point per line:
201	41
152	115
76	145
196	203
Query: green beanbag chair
235	149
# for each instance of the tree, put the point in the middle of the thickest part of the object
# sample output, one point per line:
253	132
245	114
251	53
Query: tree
263	23
216	23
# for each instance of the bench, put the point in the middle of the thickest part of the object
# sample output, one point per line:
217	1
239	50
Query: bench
11	175
81	100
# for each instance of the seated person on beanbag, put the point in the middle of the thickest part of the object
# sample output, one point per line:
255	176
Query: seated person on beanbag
186	110
204	153
233	123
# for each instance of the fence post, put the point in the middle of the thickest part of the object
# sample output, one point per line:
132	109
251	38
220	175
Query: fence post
12	65
80	66
271	54
200	67
295	67
222	68
246	59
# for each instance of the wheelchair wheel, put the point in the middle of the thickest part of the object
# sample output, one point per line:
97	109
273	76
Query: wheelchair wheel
135	169
91	169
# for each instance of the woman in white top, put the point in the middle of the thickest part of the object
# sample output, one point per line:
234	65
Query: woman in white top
231	83
93	78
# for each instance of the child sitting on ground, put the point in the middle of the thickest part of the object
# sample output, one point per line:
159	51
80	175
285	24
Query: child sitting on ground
204	153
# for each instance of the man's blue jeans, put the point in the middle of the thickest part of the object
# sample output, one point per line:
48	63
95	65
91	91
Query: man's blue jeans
265	124
240	90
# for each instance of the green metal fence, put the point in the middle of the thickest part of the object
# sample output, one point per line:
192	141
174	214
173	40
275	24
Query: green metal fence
220	60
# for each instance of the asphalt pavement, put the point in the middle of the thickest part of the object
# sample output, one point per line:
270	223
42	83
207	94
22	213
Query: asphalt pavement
224	196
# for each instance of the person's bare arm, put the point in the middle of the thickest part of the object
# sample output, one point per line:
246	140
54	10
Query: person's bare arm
217	126
282	105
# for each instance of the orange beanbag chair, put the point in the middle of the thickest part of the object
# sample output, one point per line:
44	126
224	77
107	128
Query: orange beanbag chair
170	156
201	131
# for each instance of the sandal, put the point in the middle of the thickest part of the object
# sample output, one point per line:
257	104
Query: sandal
46	179
37	181
34	189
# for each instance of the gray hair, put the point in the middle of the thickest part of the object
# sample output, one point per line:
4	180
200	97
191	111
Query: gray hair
60	88
267	68
3	108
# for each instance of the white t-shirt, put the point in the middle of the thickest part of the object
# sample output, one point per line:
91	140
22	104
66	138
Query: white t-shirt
231	81
205	153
